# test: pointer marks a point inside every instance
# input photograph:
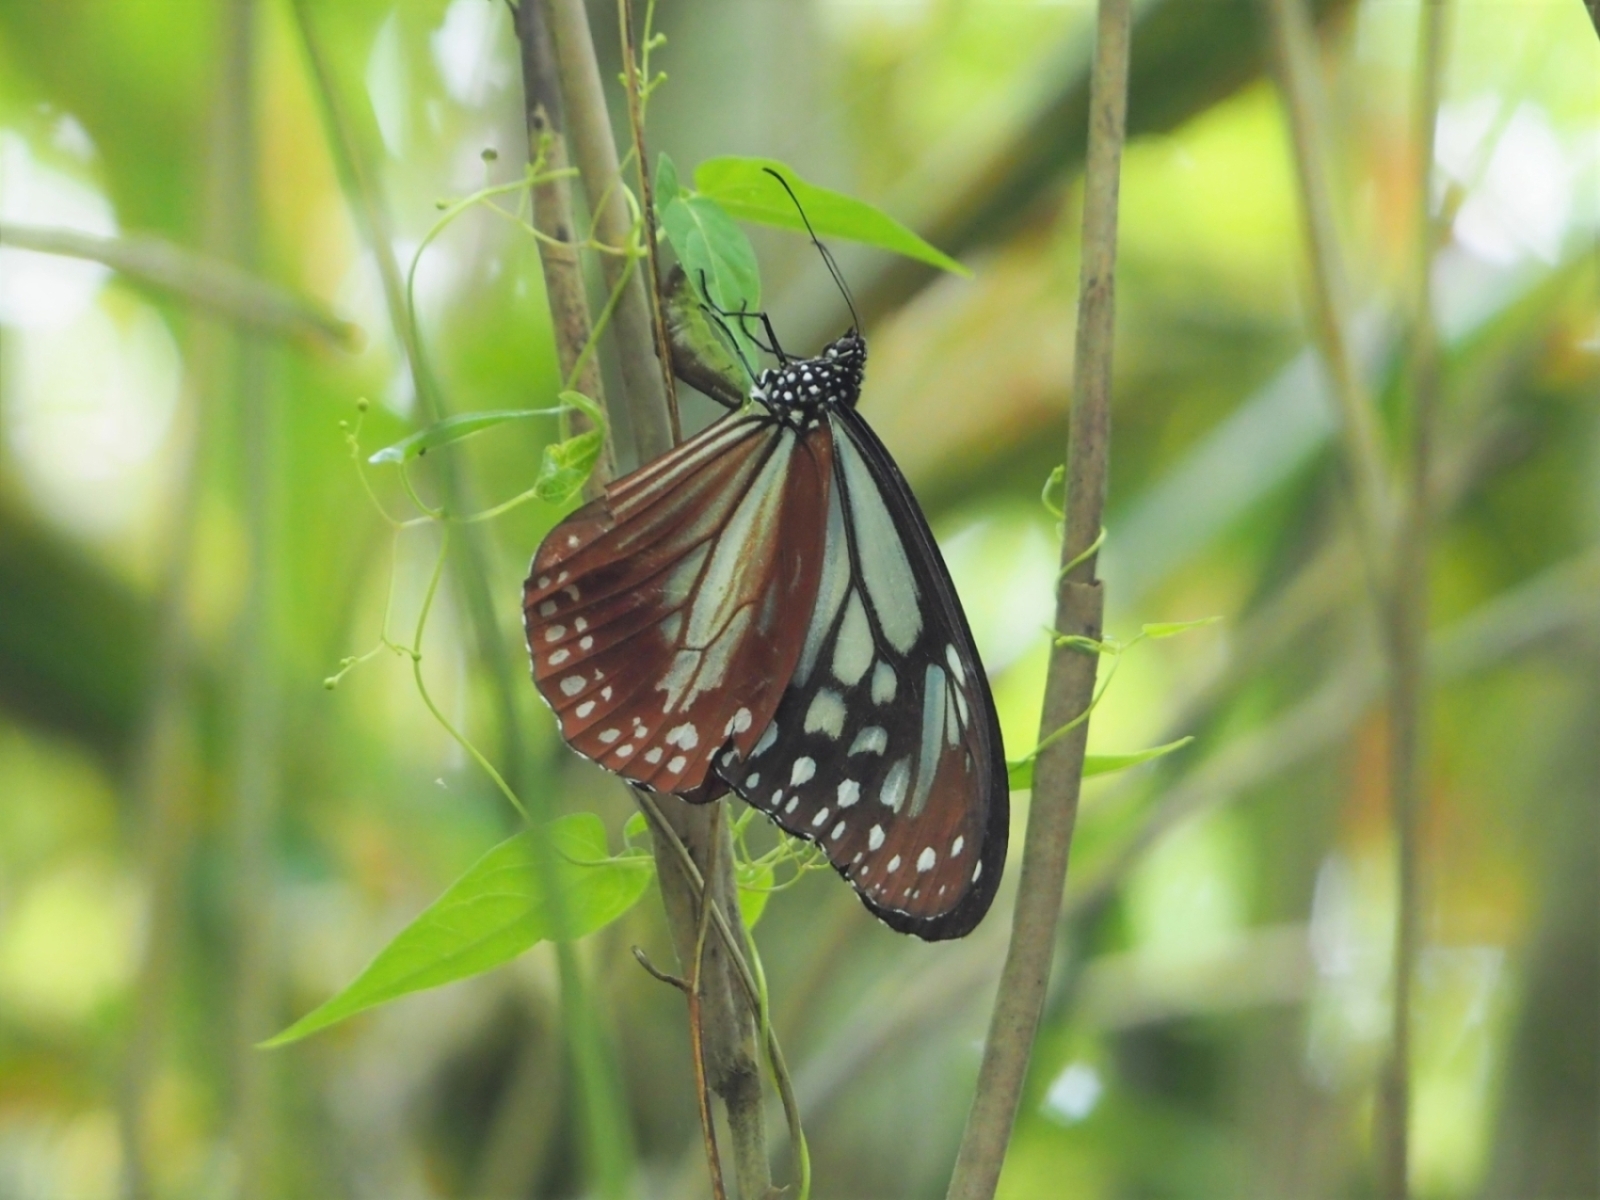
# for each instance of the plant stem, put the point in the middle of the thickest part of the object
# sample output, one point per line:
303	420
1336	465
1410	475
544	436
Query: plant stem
728	1028
1409	617
647	203
552	216
207	282
1294	49
255	700
1079	607
644	407
1396	552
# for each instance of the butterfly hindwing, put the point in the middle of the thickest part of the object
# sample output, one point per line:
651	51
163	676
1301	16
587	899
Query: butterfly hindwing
885	749
660	617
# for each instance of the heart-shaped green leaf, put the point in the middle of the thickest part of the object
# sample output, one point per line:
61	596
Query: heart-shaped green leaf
744	189
494	912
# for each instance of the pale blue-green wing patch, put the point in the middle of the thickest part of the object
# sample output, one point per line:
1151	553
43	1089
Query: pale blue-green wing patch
885	750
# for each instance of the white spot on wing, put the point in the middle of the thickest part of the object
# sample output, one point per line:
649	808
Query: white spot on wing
794	803
875	838
685	735
849	793
738	723
894	864
572	685
547	609
555	633
838	831
893	793
559	657
955	847
926	859
804	769
610	735
956	669
766	740
653	755
826	714
884	683
820	819
585	709
874	739
677	763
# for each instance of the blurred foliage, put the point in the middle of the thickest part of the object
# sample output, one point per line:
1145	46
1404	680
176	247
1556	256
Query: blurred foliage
1221	1009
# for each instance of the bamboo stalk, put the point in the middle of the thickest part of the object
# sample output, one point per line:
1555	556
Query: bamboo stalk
255	700
1409	619
1294	50
1079	608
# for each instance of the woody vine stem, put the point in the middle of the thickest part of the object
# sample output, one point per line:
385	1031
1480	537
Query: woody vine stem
694	854
1080	601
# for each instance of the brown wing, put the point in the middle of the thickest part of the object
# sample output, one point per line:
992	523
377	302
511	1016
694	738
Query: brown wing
665	619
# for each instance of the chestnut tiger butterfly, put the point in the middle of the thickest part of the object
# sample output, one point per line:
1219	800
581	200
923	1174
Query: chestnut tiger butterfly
764	610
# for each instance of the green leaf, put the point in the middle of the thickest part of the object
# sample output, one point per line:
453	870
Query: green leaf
667	186
755	881
493	913
567	465
1020	771
711	246
716	258
1166	629
453	429
745	190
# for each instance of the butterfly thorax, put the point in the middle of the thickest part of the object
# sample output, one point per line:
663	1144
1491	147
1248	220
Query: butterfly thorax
804	389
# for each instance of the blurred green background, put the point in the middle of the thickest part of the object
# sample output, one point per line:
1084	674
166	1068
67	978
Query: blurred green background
198	842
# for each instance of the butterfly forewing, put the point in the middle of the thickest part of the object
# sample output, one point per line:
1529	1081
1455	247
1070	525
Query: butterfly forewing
884	749
660	617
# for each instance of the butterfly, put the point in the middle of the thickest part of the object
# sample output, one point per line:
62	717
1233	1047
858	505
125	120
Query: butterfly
764	610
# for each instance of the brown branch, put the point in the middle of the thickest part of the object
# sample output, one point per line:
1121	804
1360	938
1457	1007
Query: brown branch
727	998
1080	602
647	203
552	216
644	408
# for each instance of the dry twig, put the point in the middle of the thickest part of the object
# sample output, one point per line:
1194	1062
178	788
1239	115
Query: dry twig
1080	604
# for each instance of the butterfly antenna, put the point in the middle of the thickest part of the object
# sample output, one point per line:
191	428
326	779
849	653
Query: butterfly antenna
716	315
827	258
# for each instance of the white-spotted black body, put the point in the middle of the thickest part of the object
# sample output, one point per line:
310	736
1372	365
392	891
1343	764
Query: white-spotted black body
802	390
